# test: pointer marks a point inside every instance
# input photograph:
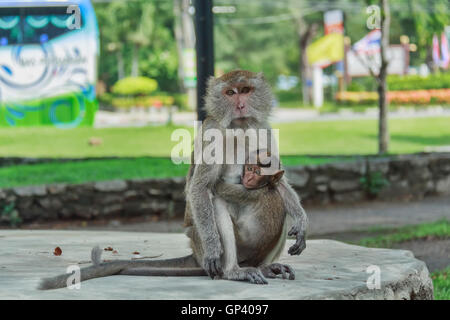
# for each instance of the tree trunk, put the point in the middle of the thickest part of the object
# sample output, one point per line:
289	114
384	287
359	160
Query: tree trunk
135	60
120	65
179	40
383	130
305	37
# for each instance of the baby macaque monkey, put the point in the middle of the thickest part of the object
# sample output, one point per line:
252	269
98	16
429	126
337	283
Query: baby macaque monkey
258	222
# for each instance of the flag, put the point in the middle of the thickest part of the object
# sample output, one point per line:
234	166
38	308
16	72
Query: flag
436	56
445	61
370	44
326	50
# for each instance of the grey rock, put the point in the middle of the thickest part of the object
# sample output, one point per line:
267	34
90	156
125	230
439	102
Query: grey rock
297	177
109	199
349	197
443	186
379	165
325	270
114	209
108	186
30	191
357	167
57	188
50	203
344	185
321	179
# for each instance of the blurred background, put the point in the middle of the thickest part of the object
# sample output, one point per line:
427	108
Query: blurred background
91	91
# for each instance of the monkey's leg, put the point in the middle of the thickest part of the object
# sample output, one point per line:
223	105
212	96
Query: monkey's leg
232	271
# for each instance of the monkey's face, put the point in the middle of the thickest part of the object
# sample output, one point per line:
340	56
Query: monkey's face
255	176
238	96
252	177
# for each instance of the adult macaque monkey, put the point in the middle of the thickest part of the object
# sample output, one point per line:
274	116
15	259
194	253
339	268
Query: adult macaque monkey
236	100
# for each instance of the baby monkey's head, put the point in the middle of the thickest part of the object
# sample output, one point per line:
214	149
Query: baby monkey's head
262	173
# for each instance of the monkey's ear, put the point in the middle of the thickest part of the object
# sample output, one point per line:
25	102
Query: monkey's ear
277	176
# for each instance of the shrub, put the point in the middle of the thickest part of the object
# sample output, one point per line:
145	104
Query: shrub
416	82
411	97
134	86
143	101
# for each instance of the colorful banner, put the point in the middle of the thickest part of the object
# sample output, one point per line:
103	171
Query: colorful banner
326	50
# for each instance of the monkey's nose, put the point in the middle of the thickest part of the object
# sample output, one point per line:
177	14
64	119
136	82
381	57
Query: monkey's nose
240	106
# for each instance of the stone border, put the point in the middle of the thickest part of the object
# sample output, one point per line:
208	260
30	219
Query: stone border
391	178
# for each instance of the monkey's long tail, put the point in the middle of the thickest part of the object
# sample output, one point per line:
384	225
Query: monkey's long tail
183	266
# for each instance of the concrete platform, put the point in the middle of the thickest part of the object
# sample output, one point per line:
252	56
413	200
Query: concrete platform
325	270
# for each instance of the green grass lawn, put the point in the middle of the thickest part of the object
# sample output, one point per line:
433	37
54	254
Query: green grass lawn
330	137
438	229
100	170
441	283
315	138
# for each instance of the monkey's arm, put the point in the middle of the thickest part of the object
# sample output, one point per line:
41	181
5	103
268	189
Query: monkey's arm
199	196
237	193
293	208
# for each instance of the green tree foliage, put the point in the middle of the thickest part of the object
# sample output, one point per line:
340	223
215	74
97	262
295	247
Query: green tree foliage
262	35
148	27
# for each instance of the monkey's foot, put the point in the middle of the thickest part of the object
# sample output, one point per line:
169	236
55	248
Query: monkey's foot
274	269
252	275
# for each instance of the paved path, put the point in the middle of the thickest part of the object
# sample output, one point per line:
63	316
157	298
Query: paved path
326	220
325	270
138	119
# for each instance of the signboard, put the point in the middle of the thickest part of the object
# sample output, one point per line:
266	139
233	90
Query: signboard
333	22
357	64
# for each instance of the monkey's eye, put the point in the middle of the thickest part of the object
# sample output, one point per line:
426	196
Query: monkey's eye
258	172
245	90
229	92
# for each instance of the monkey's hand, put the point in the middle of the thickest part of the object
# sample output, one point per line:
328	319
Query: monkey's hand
212	265
300	242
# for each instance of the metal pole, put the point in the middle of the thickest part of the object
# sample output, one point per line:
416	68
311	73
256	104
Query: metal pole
205	50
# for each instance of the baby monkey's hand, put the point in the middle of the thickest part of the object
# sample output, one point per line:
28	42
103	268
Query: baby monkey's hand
300	243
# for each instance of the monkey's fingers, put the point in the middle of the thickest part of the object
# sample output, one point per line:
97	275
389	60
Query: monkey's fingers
277	268
298	247
213	267
290	271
